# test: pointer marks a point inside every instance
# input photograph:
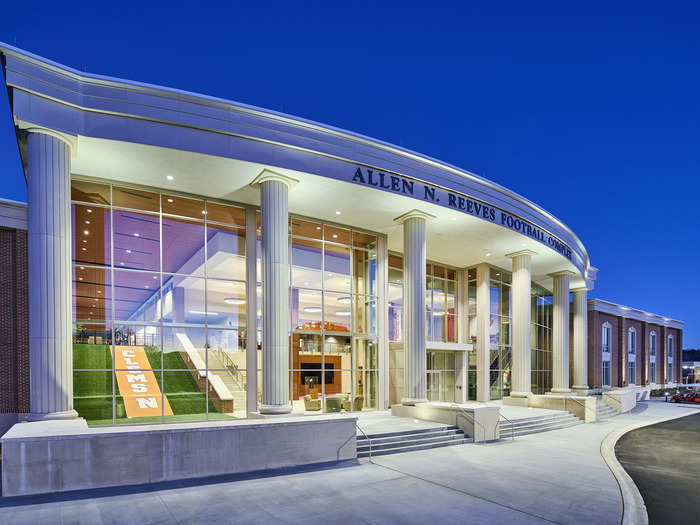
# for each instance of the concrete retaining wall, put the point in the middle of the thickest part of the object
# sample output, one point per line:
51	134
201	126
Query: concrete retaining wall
58	456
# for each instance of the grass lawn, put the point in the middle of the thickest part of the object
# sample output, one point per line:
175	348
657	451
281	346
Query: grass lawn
92	389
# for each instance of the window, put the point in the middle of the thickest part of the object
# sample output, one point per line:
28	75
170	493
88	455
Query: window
606	352
500	350
652	357
334	356
541	339
440	303
669	377
159	297
631	356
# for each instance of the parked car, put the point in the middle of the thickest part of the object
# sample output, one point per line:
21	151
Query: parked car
686	397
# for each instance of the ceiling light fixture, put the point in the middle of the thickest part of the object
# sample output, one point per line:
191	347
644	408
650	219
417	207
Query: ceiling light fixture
137	235
344	300
85	232
89	210
344	313
488	254
337	212
233	300
128	251
87	222
169	177
170	200
200	312
312	309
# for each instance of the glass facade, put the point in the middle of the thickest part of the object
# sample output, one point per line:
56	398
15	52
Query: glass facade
500	350
333	307
442	370
159	298
440	303
541	340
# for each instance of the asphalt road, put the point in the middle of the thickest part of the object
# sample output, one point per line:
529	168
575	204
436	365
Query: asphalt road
664	461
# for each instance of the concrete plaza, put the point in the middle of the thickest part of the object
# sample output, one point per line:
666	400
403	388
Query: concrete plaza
558	476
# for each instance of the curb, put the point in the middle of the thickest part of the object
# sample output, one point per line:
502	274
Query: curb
634	510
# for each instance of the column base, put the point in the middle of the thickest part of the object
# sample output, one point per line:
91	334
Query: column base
559	391
410	401
581	390
520	401
52	416
275	409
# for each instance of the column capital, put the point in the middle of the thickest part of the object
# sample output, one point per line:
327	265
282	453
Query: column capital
69	140
268	175
415	213
563	273
520	253
579	289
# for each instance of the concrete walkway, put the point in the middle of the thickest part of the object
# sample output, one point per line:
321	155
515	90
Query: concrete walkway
556	476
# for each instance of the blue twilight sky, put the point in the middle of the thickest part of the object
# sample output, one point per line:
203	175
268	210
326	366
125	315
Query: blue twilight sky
590	110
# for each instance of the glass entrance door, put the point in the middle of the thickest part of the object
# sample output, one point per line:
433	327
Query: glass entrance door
434	385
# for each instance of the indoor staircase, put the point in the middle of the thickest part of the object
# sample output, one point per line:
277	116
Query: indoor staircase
533	425
410	440
228	378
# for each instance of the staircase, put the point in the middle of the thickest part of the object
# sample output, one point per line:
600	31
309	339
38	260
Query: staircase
533	425
604	411
237	391
410	440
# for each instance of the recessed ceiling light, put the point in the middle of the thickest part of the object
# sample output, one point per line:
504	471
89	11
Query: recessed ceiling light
84	249
170	200
87	222
233	300
99	291
121	263
169	177
82	267
137	235
337	212
344	300
89	210
155	277
318	227
204	212
488	254
312	309
146	286
128	251
335	235
80	278
85	232
343	312
84	240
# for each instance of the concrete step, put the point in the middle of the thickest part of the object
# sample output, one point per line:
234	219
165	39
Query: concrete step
438	433
520	423
554	417
394	444
408	432
544	428
411	448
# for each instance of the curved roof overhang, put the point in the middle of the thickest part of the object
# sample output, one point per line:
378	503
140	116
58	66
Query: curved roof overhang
93	108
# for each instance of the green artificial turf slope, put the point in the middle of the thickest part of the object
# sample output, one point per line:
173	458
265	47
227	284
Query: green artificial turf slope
92	389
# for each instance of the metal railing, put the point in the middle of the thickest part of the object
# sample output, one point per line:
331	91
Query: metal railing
512	426
369	441
231	367
471	419
583	405
606	398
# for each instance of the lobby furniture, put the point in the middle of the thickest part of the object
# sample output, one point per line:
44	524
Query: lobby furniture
334	404
311	404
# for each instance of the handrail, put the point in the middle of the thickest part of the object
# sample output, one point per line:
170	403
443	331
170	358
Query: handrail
582	405
369	441
512	426
470	418
604	397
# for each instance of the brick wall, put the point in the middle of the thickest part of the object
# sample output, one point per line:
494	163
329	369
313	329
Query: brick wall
14	323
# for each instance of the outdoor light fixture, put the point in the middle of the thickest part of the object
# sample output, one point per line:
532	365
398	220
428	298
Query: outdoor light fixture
312	309
169	177
233	300
337	212
344	300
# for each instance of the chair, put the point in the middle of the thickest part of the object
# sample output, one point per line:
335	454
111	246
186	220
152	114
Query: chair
334	404
346	402
358	403
311	404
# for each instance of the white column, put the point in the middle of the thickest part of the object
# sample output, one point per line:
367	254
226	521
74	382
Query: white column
49	251
521	305
560	334
580	340
414	255
383	320
483	323
274	189
251	309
